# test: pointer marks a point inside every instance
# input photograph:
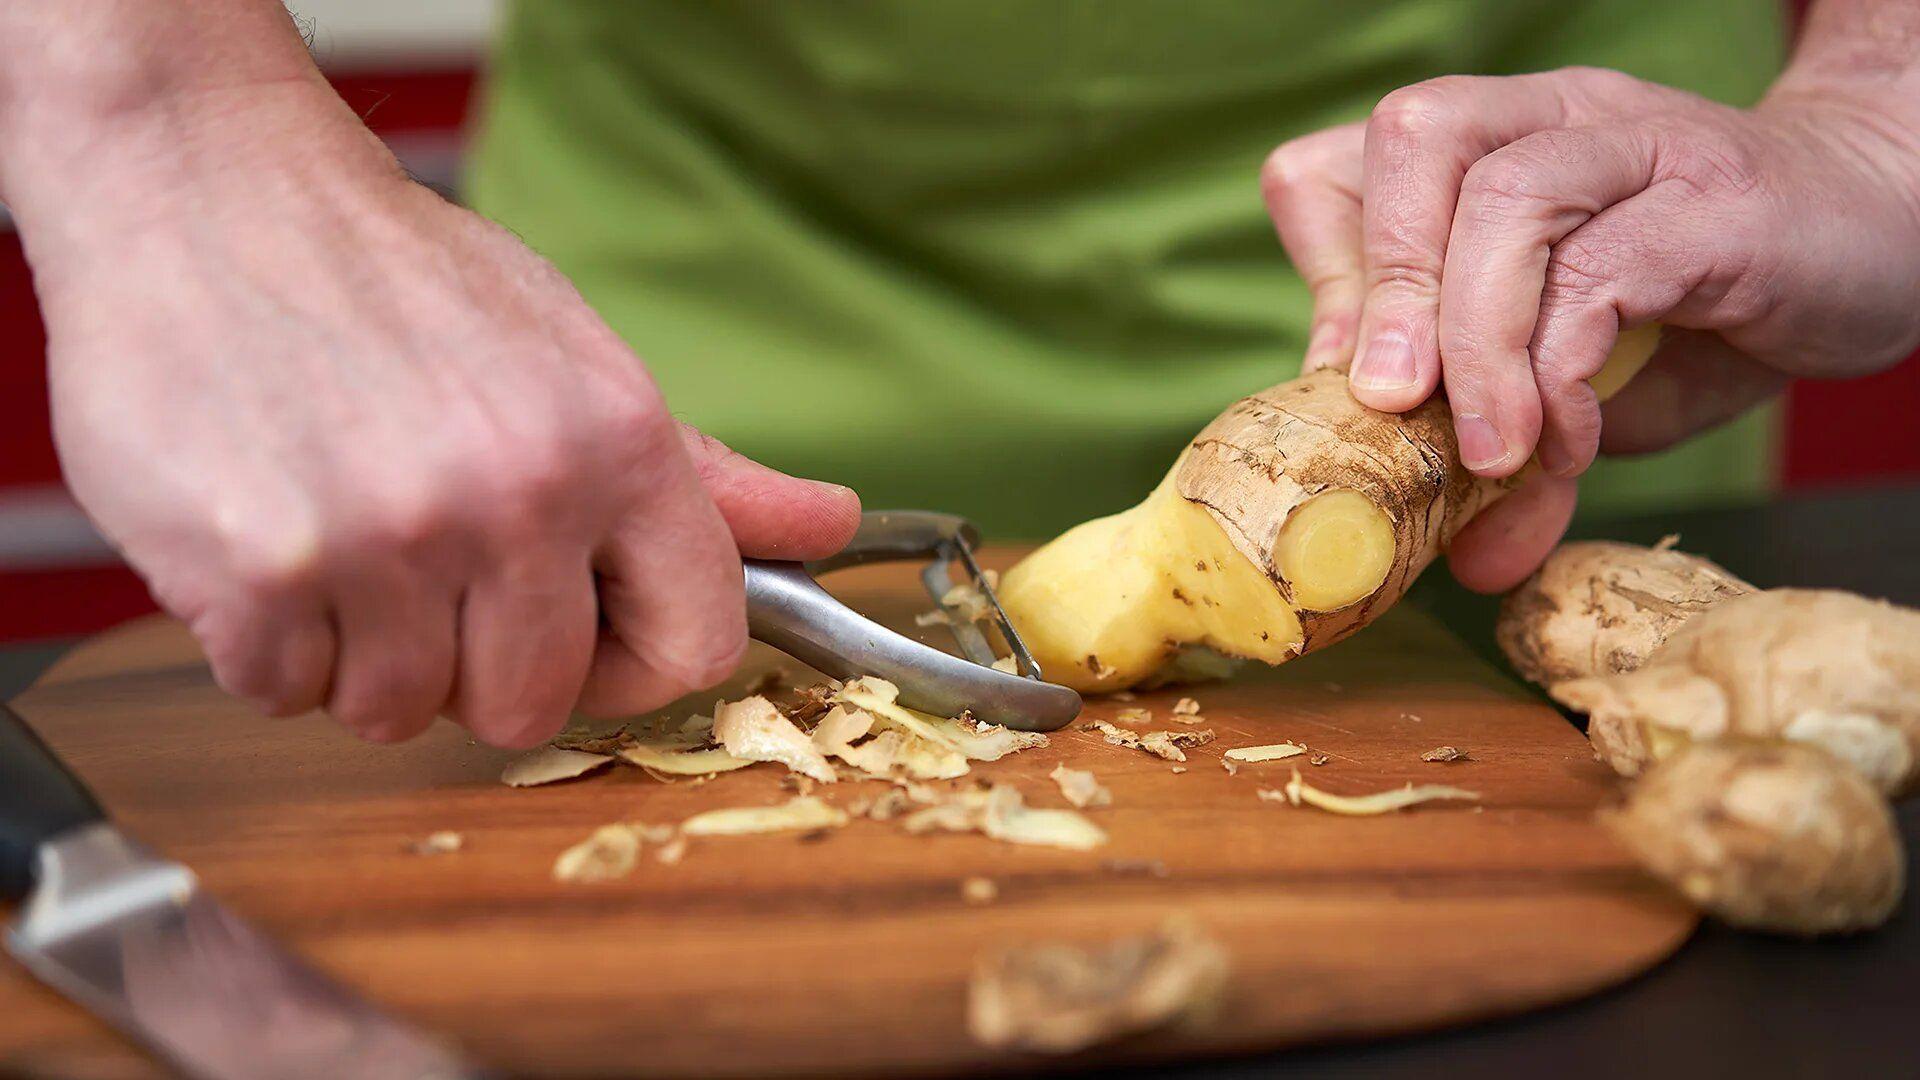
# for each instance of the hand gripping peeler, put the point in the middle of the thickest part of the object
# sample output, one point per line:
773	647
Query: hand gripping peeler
787	609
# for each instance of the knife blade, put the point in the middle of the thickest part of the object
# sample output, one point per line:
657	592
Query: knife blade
133	938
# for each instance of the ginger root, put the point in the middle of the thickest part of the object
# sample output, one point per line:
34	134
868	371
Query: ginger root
1768	837
1828	669
1291	521
1601	608
1769	727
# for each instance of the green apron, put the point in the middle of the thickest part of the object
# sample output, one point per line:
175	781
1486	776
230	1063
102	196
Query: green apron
1000	258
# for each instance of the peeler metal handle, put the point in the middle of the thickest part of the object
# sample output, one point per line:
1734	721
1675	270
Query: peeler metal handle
787	609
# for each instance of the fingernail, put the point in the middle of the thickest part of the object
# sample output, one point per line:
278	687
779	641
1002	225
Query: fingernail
1481	447
1386	365
1555	460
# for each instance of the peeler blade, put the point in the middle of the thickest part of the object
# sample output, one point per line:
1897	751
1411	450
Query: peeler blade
787	608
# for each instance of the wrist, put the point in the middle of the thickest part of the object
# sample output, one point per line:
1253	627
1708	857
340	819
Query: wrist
1875	140
114	109
214	154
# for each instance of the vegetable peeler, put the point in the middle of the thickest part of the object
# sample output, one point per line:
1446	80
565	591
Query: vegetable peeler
787	609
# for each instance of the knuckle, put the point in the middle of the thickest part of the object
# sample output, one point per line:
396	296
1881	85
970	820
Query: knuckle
1715	166
267	556
534	480
1402	271
407	525
1286	166
1581	273
269	570
1418	110
1605	84
1464	352
635	416
1506	177
711	455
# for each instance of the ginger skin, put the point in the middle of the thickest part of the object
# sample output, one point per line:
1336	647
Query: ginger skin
1602	608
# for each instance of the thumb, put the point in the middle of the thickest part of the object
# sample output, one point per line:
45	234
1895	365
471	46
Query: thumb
772	515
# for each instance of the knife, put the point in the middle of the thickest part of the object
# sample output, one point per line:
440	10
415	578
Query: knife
131	936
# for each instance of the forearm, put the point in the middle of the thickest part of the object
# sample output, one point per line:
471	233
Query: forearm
1865	51
113	102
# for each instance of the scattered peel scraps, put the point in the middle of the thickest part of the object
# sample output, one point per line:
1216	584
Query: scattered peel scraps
549	764
1298	791
975	740
1080	787
674	761
1161	744
968	601
1001	813
753	729
1186	706
444	842
896	753
1444	753
1271	752
979	890
801	812
1167	744
673	850
1059	998
840	728
591	741
610	852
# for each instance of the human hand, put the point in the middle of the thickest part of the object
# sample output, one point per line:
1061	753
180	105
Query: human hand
1493	235
381	457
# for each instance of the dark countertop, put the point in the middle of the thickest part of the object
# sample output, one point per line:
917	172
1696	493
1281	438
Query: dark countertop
1728	1004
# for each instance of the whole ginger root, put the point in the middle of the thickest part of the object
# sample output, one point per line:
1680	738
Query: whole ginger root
1773	837
1767	728
1600	608
1823	668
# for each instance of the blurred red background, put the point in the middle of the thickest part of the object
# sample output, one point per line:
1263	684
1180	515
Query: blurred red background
57	579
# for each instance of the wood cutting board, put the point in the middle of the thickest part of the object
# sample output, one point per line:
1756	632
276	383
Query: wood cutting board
776	955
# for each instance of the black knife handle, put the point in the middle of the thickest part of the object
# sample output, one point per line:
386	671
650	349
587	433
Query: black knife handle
39	799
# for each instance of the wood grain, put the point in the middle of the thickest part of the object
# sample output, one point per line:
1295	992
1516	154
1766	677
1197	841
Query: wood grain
849	955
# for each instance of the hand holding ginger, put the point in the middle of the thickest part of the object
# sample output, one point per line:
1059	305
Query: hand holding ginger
1490	235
